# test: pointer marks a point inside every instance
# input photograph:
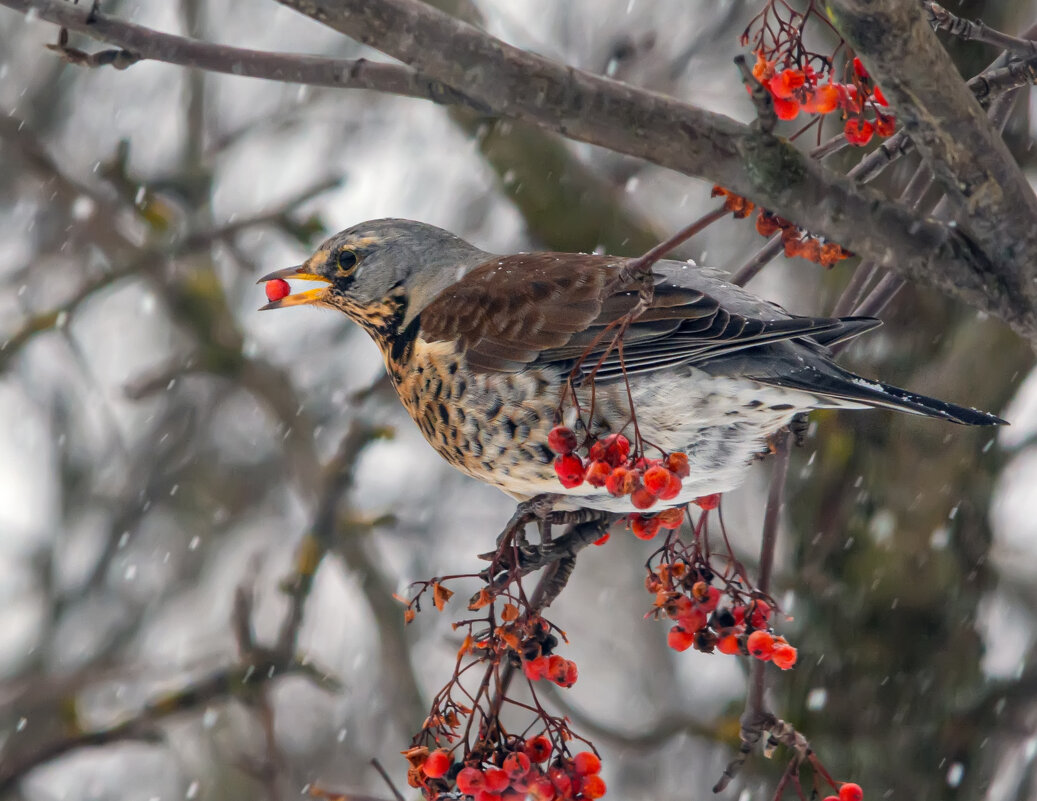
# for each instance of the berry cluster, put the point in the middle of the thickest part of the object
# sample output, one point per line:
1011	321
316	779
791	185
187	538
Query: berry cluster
522	769
611	464
686	595
796	241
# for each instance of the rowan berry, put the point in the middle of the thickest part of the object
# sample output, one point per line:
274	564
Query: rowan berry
593	787
616	449
880	98
679	639
644	528
585	763
858	132
850	792
536	668
276	289
759	613
885	125
538	749
831	798
859	68
641	498
709	502
437	764
516	765
561	780
562	440
761	645
671	518
656	478
672	488
542	789
487	795
677	462
569	469
621	482
496	780
786	109
693	620
822	100
602	539
598	473
470	781
728	644
784	656
785	83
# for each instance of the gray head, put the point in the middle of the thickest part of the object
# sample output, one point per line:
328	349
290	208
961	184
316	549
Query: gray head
381	269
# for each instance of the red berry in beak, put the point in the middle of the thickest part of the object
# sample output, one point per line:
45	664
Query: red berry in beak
277	289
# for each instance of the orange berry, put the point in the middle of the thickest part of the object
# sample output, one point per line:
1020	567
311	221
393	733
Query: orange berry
641	498
538	749
516	765
586	762
470	781
850	792
597	473
677	462
593	787
562	440
761	645
784	656
822	100
621	482
679	639
671	518
497	780
728	644
437	764
569	469
672	489
708	502
644	528
656	478
785	83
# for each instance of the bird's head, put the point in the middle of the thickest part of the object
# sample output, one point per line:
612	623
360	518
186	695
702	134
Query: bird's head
381	273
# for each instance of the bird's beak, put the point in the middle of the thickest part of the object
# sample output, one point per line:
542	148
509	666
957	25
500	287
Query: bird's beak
299	298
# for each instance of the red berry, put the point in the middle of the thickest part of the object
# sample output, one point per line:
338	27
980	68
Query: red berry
621	482
708	502
879	97
644	528
672	488
677	462
277	289
470	781
761	645
709	603
692	621
562	440
786	109
671	518
850	792
858	67
437	764
759	614
602	539
565	673
728	644
616	449
656	478
541	789
784	656
586	762
538	749
831	798
885	125
516	765
598	473
487	795
497	780
536	668
822	100
561	780
858	132
569	470
642	498
679	639
593	787
786	82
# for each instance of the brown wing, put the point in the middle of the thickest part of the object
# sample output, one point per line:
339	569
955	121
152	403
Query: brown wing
515	311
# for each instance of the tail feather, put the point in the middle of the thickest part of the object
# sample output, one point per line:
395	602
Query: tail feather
834	382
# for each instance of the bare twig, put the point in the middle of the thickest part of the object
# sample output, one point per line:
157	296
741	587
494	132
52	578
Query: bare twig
943	20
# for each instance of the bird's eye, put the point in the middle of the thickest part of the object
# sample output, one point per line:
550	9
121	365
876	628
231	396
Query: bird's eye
346	260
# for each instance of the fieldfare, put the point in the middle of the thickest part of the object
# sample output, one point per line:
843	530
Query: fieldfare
483	351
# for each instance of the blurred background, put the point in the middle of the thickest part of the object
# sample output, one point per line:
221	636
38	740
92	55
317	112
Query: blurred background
170	458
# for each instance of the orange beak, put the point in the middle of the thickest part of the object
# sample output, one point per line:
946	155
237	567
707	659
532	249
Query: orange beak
310	296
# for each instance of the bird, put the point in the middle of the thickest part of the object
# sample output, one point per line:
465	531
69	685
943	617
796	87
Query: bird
488	353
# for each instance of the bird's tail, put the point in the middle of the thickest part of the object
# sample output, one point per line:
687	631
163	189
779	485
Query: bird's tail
842	385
